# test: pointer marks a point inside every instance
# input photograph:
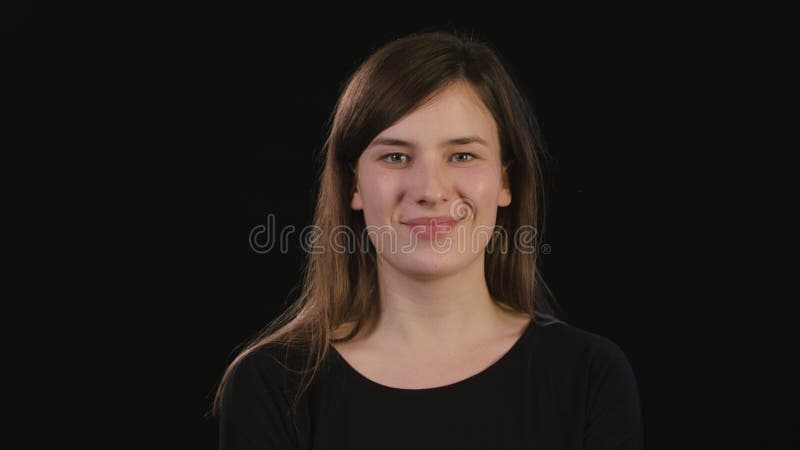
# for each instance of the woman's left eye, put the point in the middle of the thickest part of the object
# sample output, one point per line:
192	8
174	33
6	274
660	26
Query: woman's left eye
471	156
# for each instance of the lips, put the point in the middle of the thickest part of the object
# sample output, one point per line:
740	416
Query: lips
431	221
429	227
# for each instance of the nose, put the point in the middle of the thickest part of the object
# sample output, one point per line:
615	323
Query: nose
431	185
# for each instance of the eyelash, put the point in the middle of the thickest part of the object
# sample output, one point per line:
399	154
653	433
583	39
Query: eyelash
472	156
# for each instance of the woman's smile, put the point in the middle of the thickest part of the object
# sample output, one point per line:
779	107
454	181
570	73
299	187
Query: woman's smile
431	230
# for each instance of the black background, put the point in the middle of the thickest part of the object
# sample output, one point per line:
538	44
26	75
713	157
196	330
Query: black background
144	142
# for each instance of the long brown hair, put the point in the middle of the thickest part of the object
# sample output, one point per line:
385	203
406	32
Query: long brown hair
340	288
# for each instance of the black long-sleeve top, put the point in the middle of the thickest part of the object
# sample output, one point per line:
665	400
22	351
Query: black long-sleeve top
559	387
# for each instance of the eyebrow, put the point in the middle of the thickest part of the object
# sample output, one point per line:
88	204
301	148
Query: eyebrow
401	143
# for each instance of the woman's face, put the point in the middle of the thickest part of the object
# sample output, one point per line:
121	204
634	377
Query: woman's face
442	159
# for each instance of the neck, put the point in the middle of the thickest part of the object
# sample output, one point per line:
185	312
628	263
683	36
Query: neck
443	315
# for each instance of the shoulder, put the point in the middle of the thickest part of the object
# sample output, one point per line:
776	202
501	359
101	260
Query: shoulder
594	374
256	401
575	355
565	339
268	366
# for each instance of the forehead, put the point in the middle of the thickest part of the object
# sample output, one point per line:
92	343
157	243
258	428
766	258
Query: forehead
455	111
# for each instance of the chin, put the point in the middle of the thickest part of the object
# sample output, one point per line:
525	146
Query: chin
428	263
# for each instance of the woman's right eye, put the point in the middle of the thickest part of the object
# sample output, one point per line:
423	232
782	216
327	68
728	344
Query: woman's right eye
389	155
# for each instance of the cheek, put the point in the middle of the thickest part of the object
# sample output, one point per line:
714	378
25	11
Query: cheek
482	187
377	192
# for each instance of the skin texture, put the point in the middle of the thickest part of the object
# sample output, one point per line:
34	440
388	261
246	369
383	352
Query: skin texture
438	321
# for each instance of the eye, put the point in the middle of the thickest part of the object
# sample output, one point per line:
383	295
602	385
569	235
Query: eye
396	157
388	155
470	155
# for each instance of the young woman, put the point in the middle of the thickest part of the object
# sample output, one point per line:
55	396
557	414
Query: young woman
435	330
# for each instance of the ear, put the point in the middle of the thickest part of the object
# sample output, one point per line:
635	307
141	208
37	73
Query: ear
355	201
504	199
